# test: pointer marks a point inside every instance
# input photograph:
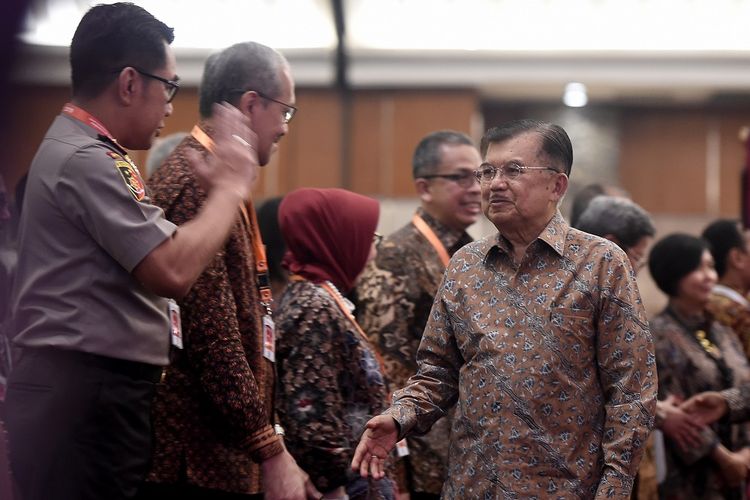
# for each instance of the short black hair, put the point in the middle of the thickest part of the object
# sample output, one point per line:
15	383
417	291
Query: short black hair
723	235
112	37
674	257
555	141
427	155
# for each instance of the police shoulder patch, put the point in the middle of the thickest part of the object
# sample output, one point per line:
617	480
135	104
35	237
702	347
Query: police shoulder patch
132	178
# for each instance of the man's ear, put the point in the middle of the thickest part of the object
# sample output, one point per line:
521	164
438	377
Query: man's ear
128	86
423	189
737	258
247	101
561	186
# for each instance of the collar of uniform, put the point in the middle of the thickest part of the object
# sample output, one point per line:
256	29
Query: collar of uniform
447	236
94	134
553	235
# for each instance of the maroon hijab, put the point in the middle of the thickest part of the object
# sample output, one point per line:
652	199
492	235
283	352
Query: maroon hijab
328	234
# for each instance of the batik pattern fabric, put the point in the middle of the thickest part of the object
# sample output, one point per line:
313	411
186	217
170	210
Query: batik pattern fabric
329	385
550	364
216	399
686	369
394	298
731	309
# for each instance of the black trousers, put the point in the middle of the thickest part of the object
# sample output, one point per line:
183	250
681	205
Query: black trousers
79	425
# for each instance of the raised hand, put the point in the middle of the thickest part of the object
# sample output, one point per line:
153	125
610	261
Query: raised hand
233	160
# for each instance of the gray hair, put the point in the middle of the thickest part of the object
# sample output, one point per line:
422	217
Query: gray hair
237	69
161	149
555	141
619	217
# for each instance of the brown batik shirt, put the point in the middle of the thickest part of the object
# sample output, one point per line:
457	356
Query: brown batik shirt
394	297
212	413
550	365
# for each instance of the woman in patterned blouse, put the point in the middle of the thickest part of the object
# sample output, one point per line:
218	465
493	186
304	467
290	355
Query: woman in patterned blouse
329	378
694	353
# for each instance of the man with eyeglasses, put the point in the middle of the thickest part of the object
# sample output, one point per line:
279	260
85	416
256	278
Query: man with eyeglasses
97	259
214	415
538	335
396	290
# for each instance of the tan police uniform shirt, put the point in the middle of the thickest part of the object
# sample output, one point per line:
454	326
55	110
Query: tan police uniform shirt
86	223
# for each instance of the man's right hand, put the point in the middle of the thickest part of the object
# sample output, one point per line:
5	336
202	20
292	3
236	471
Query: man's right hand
377	442
706	407
284	480
234	162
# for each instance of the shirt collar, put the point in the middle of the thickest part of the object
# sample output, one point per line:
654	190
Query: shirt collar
447	236
553	235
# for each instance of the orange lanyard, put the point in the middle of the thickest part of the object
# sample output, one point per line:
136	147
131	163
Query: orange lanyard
336	296
251	220
432	238
84	116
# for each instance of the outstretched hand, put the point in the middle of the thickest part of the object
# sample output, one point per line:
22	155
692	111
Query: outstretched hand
377	441
706	407
233	160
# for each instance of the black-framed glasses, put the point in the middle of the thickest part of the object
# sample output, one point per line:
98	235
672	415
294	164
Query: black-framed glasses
465	179
170	86
289	110
487	172
377	238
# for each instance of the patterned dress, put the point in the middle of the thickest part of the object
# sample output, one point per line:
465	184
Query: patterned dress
685	369
731	309
394	297
329	386
550	364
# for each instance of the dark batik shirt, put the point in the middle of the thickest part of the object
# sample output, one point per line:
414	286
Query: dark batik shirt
550	364
216	400
329	385
686	369
395	295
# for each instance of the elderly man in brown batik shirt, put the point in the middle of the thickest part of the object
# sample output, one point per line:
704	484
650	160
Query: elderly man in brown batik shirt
396	291
538	336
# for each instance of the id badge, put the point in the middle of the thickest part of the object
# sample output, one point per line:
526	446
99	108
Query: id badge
402	449
175	325
269	339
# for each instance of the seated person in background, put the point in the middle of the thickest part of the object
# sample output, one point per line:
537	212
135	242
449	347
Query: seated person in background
631	228
587	193
730	250
330	379
695	354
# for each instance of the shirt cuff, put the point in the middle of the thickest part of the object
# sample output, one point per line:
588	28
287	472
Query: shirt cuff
264	444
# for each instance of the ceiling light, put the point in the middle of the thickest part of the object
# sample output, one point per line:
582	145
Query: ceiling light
575	95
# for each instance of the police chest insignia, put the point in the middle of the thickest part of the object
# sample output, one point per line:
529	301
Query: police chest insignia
114	155
132	179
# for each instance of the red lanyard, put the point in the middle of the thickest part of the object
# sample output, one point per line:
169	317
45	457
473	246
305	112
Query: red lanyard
251	220
84	116
431	237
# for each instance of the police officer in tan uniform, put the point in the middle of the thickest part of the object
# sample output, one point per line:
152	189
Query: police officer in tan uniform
97	259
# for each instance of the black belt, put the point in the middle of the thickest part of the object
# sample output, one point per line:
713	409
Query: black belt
132	369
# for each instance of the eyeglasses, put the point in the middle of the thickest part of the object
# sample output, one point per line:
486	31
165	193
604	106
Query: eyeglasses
377	238
465	179
170	86
289	110
486	172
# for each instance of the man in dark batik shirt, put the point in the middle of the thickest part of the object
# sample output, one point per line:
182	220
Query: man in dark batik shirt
396	291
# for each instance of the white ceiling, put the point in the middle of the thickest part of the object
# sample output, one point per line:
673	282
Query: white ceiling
659	50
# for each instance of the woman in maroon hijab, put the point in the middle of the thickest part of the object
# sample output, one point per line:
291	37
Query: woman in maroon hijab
329	377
